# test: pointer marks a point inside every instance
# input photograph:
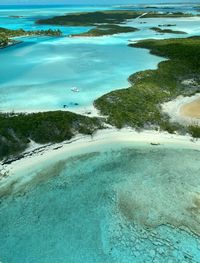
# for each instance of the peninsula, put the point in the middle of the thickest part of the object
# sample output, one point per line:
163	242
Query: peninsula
105	30
138	107
105	17
7	35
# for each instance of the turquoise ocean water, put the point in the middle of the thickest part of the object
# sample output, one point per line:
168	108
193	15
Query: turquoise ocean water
39	73
120	203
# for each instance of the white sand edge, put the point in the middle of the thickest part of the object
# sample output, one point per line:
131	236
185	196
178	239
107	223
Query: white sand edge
89	111
24	170
173	109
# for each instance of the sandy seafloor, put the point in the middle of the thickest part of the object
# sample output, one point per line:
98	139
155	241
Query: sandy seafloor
115	198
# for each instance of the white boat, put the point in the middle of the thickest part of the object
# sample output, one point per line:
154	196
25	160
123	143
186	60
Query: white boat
74	89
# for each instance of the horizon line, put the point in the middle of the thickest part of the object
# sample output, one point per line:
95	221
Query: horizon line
61	4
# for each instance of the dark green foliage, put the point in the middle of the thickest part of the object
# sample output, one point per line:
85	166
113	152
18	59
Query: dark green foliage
139	105
105	30
22	32
168	25
91	18
194	131
103	17
17	130
4	41
7	34
168	31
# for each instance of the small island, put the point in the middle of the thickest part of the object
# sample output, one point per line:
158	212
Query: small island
167	31
167	25
16	16
105	30
7	35
151	7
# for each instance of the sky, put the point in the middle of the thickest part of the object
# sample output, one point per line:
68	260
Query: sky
3	2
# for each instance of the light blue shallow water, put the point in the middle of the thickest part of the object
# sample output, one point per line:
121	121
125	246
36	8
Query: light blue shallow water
43	71
39	73
83	214
121	204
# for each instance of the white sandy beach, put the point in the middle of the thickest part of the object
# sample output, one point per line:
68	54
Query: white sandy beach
175	110
89	111
23	171
39	158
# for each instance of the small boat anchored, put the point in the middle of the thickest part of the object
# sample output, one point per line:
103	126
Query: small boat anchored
155	144
75	89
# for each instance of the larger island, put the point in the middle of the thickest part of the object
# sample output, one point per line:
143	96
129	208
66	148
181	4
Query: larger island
139	106
105	17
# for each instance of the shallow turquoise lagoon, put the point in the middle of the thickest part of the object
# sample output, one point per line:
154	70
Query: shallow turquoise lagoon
43	71
39	73
121	204
124	203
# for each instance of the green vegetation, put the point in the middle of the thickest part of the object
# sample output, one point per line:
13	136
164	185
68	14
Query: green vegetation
151	7
168	31
105	30
104	17
5	41
194	131
21	32
6	35
16	131
15	16
168	25
139	105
